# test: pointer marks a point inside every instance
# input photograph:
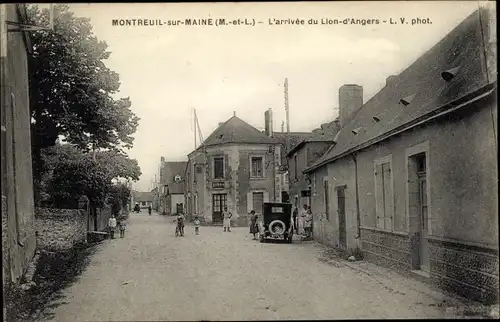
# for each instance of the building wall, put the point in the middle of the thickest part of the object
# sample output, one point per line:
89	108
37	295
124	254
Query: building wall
17	179
174	200
237	182
462	198
306	156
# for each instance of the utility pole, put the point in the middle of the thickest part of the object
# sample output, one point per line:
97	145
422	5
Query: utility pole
287	110
194	125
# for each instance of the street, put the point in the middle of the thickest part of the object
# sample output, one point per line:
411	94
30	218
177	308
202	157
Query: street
152	275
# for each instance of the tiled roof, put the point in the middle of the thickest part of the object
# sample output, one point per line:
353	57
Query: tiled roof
326	133
143	196
170	169
422	85
236	130
294	138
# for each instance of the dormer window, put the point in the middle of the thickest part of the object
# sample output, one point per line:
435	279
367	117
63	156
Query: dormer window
177	178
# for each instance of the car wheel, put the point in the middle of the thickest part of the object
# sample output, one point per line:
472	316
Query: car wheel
277	222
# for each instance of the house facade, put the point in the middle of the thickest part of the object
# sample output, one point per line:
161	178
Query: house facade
412	178
18	233
172	186
237	166
303	155
143	199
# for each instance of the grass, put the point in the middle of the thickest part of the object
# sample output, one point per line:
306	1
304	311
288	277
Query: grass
54	272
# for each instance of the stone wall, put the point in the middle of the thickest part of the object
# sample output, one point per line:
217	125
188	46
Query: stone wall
386	249
467	270
59	229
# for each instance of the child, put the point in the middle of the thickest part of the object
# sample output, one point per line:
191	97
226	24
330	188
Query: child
180	223
112	226
196	225
122	227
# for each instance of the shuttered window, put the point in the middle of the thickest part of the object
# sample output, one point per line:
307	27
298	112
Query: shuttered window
218	168
384	196
327	201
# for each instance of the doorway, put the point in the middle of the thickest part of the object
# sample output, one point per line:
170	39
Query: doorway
219	201
341	216
418	207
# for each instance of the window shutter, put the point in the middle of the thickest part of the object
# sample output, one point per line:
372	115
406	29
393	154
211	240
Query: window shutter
266	196
249	202
226	166
389	196
379	201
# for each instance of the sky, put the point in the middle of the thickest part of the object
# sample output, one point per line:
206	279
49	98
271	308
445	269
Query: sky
220	70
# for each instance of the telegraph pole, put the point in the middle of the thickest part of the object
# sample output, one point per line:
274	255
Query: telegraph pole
287	110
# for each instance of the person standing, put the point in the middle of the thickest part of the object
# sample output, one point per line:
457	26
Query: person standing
122	226
295	215
308	223
196	225
226	215
180	223
301	220
254	226
149	210
112	226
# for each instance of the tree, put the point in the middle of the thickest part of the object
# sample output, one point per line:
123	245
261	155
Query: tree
72	90
73	173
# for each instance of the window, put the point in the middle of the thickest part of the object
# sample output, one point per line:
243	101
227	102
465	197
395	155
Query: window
384	198
218	168
327	200
256	167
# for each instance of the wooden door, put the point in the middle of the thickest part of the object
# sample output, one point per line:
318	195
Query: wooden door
342	219
423	247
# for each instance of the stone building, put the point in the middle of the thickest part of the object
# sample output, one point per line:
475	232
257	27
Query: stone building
412	178
237	166
18	234
172	181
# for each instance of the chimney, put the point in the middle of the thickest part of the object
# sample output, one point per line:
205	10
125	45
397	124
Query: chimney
162	159
350	100
221	124
390	79
268	116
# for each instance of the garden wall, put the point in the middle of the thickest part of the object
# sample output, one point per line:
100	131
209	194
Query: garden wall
59	229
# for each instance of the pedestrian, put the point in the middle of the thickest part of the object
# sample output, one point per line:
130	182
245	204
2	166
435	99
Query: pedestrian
254	226
226	215
122	226
301	220
180	223
308	223
295	215
149	210
112	226
196	225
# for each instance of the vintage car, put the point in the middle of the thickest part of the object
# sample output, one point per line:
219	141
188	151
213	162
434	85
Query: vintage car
277	222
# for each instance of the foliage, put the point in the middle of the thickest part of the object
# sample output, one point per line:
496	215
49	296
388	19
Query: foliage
73	173
120	197
72	88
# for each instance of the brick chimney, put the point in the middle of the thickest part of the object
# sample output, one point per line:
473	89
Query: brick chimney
268	117
390	79
221	124
350	100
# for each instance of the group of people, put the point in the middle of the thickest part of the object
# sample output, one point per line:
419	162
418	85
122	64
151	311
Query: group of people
303	222
180	224
113	224
137	209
